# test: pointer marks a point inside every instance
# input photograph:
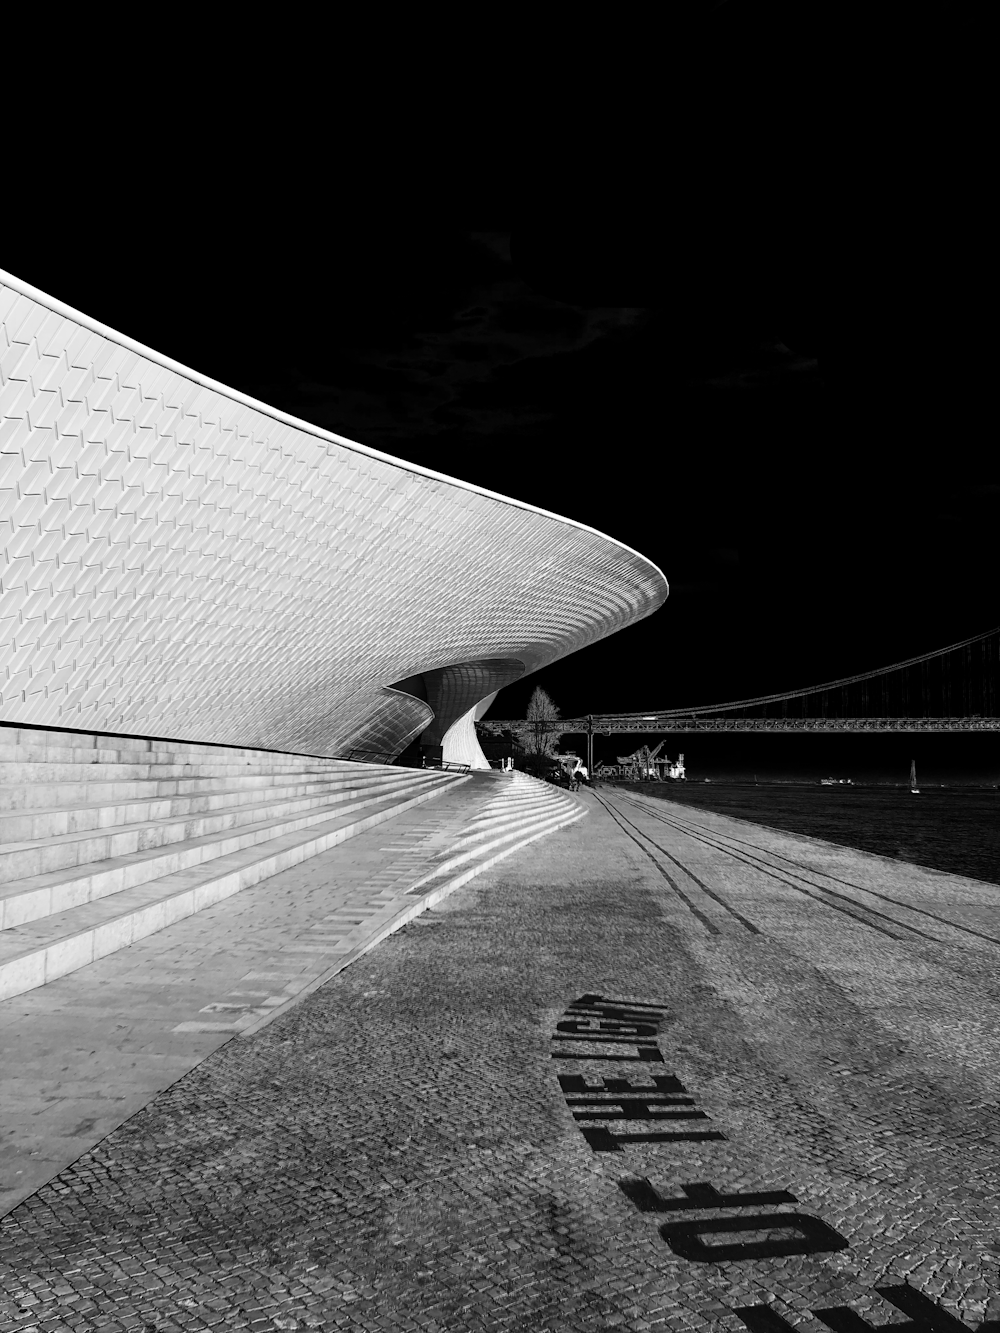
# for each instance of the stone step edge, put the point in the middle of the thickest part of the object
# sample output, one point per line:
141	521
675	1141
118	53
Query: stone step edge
483	828
280	795
516	803
247	1026
521	794
529	801
137	788
452	861
184	902
77	740
100	756
480	827
317	784
95	756
190	853
58	773
293	814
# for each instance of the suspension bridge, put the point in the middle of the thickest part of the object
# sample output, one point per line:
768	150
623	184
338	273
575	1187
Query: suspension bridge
953	689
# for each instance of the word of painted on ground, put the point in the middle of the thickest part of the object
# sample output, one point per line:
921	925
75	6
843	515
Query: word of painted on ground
924	1316
599	1023
788	1233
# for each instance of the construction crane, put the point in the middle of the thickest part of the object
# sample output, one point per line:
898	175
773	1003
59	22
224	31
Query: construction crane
651	758
645	764
641	765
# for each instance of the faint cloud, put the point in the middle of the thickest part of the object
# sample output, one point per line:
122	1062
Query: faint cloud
769	363
456	373
726	556
497	242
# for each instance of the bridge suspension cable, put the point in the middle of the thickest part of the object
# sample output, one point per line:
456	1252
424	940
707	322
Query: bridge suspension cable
830	685
934	711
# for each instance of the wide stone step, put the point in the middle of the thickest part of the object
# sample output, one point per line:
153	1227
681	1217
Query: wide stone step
474	841
522	800
52	771
111	753
481	829
39	822
29	899
51	851
27	796
522	830
74	754
42	950
24	747
87	741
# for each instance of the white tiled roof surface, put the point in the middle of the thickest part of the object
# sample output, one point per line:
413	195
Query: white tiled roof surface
180	561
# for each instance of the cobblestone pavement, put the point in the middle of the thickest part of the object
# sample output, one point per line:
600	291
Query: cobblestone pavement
401	1150
87	1051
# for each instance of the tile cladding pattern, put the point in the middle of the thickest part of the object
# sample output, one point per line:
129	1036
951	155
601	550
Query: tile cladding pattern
182	561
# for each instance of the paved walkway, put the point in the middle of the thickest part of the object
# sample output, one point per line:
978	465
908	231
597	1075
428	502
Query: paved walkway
434	1139
84	1053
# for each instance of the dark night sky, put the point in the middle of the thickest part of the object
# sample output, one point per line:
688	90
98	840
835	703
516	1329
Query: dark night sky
760	360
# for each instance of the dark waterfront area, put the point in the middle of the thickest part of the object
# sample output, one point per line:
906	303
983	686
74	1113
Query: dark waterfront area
955	829
957	759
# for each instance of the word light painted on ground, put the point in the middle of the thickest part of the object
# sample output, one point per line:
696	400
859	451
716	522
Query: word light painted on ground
596	1021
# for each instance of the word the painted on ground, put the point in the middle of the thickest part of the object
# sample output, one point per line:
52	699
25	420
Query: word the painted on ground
595	1021
924	1316
598	1023
617	1099
787	1233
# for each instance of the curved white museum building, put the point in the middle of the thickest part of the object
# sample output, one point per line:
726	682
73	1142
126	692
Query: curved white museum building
181	561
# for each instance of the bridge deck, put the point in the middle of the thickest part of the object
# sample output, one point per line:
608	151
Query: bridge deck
949	690
624	723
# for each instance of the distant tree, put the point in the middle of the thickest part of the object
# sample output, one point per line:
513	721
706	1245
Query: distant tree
540	736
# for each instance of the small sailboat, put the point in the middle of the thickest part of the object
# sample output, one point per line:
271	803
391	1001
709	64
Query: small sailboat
913	778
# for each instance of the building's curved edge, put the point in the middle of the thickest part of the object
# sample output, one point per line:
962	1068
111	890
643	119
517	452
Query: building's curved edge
373	730
103	330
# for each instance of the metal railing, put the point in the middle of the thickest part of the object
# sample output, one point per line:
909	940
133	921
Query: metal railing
382	757
367	757
448	764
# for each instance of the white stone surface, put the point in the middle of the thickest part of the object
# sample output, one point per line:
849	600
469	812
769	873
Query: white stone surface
179	560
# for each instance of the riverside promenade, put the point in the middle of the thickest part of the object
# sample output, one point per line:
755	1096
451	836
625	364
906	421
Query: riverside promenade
435	1128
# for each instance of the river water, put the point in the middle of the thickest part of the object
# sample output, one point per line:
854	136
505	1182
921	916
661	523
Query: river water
956	829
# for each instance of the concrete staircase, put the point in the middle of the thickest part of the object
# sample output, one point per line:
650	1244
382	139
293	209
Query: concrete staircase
520	810
104	840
